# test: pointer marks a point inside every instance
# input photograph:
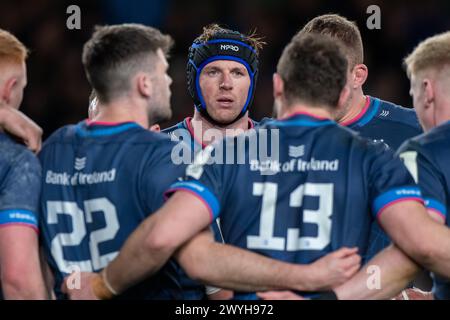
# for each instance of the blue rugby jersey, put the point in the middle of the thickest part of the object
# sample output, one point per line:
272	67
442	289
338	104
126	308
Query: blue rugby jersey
391	124
20	184
323	192
427	157
100	181
183	131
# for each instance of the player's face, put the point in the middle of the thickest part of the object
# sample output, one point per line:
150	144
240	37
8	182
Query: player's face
159	108
224	85
424	112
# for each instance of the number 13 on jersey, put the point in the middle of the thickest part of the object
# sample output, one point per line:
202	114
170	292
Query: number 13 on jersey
293	242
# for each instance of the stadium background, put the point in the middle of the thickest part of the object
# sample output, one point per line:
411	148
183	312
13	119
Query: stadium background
57	92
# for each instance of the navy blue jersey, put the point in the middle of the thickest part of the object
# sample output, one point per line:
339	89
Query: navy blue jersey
385	122
20	184
391	124
183	131
100	181
427	159
321	193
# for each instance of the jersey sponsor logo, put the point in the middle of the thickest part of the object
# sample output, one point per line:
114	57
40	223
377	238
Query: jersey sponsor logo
275	166
408	192
229	47
80	163
65	179
296	151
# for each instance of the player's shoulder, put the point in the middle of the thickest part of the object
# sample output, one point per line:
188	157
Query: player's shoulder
433	141
179	131
179	125
365	145
62	134
389	111
261	122
15	154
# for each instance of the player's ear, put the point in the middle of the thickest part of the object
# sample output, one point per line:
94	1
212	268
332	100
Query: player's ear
278	86
144	84
429	93
8	89
359	74
155	128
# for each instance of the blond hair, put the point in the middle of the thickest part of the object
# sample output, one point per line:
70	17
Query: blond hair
433	52
11	49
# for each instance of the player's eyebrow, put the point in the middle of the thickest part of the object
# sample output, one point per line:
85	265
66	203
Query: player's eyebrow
212	68
241	69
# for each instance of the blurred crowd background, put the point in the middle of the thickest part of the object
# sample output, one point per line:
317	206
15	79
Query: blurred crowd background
57	92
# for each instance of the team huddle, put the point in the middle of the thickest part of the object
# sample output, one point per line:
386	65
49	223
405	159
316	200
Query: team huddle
221	206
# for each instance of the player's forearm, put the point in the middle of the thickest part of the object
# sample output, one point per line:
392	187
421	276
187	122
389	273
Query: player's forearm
434	253
382	277
229	267
138	259
27	285
426	241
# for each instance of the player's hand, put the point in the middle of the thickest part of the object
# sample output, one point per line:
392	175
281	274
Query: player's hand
78	286
279	295
334	269
18	124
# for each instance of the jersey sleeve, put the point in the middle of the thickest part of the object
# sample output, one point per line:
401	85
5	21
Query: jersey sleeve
389	181
157	174
20	192
424	169
203	179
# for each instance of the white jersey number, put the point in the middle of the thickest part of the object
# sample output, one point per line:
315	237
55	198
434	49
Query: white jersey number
294	241
74	238
410	161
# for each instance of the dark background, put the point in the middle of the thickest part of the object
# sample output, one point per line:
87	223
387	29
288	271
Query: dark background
57	92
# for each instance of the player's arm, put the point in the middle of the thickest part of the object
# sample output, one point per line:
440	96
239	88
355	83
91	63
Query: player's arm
183	216
420	237
410	220
21	275
49	278
425	241
383	277
226	266
156	239
18	124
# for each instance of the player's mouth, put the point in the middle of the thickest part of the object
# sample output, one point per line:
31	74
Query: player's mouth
225	102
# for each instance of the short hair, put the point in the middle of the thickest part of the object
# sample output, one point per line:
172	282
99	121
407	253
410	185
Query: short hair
115	53
341	28
213	30
433	52
11	49
314	70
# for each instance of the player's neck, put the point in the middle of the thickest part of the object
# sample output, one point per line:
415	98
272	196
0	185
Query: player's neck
121	112
201	126
319	112
356	106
